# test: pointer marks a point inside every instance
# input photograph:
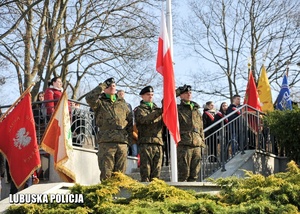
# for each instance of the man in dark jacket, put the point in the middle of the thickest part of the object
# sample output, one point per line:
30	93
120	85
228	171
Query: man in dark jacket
234	123
192	136
115	123
148	118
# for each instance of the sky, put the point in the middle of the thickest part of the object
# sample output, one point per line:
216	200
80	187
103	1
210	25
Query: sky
183	67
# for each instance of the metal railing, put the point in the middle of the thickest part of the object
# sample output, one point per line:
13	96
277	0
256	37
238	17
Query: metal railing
83	128
82	119
224	140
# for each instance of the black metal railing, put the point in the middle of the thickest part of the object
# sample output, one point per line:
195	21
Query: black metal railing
83	128
227	139
223	140
82	121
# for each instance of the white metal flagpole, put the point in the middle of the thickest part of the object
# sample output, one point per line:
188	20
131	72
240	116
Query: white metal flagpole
174	170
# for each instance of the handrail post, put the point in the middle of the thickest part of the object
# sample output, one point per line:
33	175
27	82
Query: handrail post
243	128
223	147
258	137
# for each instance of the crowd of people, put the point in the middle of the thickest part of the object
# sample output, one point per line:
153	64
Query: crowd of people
138	132
120	126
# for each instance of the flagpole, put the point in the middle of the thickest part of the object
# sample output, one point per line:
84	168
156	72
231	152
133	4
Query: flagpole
16	102
174	169
169	25
287	67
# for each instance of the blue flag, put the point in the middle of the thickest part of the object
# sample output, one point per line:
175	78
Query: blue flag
284	101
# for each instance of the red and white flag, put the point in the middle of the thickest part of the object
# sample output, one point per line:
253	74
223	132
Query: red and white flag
18	141
164	65
57	140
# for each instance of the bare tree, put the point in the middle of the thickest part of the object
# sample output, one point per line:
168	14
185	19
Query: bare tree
81	41
228	34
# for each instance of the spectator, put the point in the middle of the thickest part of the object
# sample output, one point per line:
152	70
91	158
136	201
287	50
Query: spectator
121	94
53	93
192	136
133	149
148	118
115	122
208	115
234	123
39	113
208	119
220	115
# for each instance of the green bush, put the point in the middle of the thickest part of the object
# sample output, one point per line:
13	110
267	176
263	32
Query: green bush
284	125
278	193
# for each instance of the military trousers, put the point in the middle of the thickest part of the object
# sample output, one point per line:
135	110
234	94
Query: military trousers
188	163
112	157
150	161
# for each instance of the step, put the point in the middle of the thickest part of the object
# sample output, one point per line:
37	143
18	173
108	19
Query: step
164	175
234	166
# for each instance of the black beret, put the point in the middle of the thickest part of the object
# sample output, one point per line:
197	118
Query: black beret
146	90
109	81
185	88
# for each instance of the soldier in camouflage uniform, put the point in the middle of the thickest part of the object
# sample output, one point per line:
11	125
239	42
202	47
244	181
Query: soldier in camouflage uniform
114	120
148	118
192	136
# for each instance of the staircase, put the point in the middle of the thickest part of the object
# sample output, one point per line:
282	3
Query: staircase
227	140
165	174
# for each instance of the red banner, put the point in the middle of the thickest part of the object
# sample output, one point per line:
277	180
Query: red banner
252	99
18	141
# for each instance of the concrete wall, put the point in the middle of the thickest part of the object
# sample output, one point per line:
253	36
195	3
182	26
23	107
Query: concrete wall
86	169
86	166
267	164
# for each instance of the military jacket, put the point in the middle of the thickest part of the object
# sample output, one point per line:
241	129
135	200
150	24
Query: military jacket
149	123
114	119
190	124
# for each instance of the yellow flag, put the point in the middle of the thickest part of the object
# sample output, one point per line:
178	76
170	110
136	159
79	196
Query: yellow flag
264	91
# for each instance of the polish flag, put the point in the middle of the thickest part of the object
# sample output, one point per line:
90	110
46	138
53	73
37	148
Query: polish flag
164	65
57	140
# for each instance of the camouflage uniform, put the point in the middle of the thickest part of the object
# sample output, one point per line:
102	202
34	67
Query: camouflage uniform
115	122
192	139
149	124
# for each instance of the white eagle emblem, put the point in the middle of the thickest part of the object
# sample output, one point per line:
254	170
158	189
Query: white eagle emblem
22	139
